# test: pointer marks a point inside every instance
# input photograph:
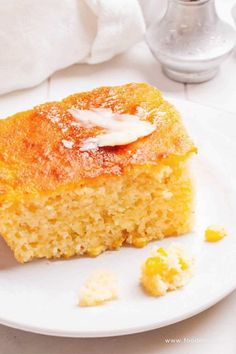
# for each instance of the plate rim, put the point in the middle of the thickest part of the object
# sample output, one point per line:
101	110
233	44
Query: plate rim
118	333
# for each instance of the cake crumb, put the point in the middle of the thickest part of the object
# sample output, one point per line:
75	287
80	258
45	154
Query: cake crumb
215	233
100	287
161	113
167	269
167	194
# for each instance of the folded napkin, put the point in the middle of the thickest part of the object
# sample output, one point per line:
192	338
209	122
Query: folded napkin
38	38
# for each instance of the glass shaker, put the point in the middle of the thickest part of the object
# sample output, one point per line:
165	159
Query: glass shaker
191	40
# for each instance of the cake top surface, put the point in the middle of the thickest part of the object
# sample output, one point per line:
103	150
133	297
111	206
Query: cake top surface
40	149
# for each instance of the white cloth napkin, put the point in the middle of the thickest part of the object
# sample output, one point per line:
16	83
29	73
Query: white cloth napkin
38	38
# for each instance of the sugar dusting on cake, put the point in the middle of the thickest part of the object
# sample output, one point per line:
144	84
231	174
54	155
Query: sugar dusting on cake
67	143
119	129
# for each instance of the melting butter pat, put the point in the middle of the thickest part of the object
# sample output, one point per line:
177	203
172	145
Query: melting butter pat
100	287
166	269
119	129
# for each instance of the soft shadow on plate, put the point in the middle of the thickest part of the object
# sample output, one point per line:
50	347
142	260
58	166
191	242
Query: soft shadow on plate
7	259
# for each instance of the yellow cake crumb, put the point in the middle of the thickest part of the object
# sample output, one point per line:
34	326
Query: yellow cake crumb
215	233
99	288
167	269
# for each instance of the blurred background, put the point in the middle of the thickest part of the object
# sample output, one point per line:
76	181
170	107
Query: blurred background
39	38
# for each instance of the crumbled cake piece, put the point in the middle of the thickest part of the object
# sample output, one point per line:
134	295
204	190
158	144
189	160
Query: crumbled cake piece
215	233
100	287
167	269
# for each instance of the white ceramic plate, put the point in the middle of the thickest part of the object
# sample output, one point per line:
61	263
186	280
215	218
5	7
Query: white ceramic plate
41	296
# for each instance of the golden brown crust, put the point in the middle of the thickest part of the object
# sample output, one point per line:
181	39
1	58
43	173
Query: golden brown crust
34	159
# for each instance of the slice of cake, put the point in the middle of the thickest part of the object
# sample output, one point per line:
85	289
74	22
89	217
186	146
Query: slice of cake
70	186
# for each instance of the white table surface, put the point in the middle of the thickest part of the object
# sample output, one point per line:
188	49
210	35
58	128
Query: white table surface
213	331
